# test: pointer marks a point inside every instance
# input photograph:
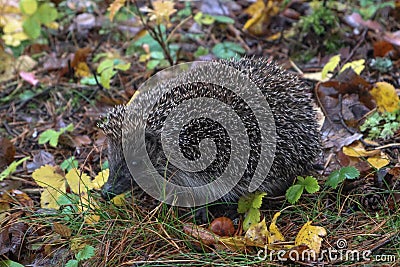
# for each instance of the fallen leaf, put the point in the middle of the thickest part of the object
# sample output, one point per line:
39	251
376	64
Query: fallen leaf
78	181
257	235
385	96
379	161
274	234
357	150
311	236
330	66
62	229
114	7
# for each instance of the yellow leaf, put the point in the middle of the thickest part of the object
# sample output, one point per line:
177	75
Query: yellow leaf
52	25
357	149
310	236
49	197
274	234
46	176
385	97
260	16
114	7
100	179
13	32
257	234
330	66
234	243
379	161
357	65
119	200
162	11
78	184
88	207
82	70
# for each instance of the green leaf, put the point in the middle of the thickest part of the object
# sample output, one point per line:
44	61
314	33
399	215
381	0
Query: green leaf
311	184
349	172
252	216
227	50
157	55
69	163
32	27
253	200
224	19
105	64
152	64
201	51
294	192
49	136
86	253
28	7
88	80
123	67
47	13
204	19
11	168
68	128
106	76
334	179
72	263
10	263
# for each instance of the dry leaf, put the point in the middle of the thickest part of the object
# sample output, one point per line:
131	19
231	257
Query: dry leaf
114	7
257	235
311	236
379	161
100	179
62	229
357	150
274	234
78	181
385	96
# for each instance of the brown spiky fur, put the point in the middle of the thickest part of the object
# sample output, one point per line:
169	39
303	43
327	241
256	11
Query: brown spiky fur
297	137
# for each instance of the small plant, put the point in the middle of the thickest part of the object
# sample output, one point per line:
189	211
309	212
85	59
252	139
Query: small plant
84	254
310	184
69	164
11	168
382	125
227	50
108	68
368	8
320	20
337	177
51	136
250	206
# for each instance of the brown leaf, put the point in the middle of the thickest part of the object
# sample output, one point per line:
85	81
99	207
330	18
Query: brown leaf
201	234
81	140
7	152
382	48
62	229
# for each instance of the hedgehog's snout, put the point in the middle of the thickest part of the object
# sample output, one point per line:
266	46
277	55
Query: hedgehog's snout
107	192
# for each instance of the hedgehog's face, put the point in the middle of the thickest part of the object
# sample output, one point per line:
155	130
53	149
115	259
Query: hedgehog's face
119	179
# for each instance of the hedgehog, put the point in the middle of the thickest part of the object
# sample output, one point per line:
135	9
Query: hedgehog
296	136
